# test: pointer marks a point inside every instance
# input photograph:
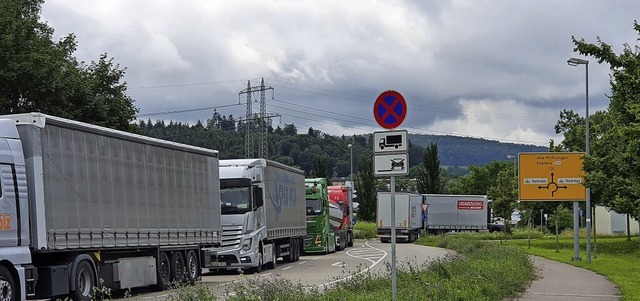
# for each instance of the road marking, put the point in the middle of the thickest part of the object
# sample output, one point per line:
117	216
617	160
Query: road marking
338	264
369	248
302	262
286	268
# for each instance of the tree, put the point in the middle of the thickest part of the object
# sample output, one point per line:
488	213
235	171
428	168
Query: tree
37	74
480	178
611	169
320	166
504	194
366	188
429	174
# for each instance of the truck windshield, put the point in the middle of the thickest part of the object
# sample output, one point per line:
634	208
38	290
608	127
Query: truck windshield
235	200
314	207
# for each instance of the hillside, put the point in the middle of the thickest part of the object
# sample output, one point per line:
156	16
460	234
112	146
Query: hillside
288	146
463	151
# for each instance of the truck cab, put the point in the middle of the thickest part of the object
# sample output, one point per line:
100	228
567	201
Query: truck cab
320	237
263	215
243	218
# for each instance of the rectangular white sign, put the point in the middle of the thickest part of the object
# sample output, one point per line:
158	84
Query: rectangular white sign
390	142
535	181
391	165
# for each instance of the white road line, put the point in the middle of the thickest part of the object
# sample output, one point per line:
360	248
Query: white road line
302	262
383	254
286	268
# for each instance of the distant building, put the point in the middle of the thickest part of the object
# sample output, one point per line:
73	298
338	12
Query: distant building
609	222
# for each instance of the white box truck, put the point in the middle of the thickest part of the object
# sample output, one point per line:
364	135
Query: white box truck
81	203
408	216
263	214
456	213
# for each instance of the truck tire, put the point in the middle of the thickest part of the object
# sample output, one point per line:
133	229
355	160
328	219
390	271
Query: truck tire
85	282
339	243
193	267
8	289
178	267
163	272
350	239
258	268
291	257
297	249
274	259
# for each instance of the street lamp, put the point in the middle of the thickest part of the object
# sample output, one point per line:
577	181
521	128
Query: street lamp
575	62
353	185
514	163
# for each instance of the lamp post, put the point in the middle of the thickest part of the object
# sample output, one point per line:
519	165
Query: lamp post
575	62
514	163
353	185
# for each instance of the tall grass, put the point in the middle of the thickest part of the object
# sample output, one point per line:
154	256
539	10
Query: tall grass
365	230
478	271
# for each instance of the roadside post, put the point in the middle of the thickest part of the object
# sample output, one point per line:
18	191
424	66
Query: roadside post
390	156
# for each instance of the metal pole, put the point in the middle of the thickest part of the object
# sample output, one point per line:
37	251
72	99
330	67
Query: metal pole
541	210
576	232
557	241
353	188
393	238
588	205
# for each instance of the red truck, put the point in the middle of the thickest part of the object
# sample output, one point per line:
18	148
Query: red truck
341	197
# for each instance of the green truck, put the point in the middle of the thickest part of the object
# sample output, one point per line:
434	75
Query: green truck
320	236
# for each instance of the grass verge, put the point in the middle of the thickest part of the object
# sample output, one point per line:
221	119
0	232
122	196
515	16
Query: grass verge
478	271
365	230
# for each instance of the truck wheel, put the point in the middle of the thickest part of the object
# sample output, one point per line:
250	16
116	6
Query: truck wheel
339	243
163	272
350	243
8	289
296	249
292	256
258	269
85	281
274	261
178	267
193	267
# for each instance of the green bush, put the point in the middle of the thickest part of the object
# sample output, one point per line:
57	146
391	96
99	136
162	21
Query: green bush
365	230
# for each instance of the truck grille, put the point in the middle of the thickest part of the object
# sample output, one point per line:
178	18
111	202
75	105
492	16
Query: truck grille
231	237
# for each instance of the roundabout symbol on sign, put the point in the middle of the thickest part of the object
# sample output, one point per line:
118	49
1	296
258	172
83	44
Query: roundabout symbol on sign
390	109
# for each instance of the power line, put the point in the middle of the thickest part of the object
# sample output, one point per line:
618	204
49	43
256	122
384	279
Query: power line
185	110
184	85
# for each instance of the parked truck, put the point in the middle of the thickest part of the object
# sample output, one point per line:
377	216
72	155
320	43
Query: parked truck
408	217
456	213
321	236
341	197
82	204
263	214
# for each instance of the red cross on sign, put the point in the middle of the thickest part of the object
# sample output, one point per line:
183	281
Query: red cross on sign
390	109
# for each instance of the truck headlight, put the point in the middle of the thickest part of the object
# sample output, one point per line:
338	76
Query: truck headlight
246	245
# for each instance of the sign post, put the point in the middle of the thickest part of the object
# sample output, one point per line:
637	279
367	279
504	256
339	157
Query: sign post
390	156
554	177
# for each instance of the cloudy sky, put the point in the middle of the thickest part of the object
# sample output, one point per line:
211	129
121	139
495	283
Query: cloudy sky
486	69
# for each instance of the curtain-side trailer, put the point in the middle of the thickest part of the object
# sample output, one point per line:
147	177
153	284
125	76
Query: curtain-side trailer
84	204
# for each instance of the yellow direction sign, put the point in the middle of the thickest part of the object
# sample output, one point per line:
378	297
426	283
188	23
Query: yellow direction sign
551	177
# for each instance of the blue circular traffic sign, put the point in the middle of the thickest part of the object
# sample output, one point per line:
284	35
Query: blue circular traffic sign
390	109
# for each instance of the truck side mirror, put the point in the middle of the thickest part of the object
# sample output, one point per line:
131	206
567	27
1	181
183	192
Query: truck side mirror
257	197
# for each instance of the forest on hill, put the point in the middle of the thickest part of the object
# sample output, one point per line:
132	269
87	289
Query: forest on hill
295	147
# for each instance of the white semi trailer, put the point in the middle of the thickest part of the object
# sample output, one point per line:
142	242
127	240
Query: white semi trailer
263	214
408	216
456	213
79	203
